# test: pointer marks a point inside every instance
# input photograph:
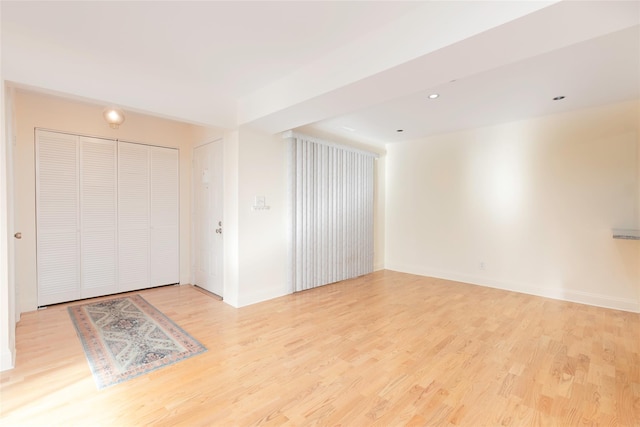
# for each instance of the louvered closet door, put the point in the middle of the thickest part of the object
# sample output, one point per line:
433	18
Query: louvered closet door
165	244
107	217
57	217
98	165
134	170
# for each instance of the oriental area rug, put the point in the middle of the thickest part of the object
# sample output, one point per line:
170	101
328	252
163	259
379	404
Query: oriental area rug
126	337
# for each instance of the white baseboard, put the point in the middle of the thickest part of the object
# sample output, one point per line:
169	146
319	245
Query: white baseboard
598	300
261	296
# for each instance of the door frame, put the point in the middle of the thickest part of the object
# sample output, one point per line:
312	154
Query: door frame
8	300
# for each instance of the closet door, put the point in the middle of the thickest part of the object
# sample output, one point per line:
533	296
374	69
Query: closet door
98	219
134	169
165	243
107	217
57	217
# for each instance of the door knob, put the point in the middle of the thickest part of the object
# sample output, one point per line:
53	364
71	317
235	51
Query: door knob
18	235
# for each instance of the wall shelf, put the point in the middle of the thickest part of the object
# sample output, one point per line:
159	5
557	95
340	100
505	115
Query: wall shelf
626	234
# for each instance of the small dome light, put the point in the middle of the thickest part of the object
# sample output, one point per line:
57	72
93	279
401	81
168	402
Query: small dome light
434	95
113	116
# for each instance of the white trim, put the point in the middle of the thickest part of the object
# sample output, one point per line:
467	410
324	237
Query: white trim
598	300
291	134
261	295
7	282
207	141
6	358
106	138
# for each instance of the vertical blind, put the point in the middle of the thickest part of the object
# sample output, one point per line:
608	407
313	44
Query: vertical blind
331	189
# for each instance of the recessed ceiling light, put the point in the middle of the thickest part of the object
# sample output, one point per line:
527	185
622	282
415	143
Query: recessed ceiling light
400	130
434	95
558	98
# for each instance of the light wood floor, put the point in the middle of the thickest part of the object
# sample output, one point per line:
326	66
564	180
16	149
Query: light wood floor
386	349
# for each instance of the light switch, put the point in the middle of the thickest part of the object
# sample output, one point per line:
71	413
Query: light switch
260	204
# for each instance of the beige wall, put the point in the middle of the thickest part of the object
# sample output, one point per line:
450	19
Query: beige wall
534	201
203	135
231	153
637	213
263	234
38	110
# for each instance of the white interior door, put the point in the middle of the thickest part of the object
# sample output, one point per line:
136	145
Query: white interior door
165	220
58	218
107	216
207	217
98	217
133	216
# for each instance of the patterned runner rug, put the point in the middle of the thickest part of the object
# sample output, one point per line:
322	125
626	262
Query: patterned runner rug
127	337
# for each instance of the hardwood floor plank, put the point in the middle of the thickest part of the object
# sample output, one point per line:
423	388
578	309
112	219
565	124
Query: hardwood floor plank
385	349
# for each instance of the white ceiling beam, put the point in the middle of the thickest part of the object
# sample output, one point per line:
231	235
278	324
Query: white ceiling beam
433	26
325	89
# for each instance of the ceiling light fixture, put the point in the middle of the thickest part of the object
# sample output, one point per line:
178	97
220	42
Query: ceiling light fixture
434	95
113	116
558	98
400	130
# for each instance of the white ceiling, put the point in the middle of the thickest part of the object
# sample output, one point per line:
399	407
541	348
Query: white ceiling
595	72
364	65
